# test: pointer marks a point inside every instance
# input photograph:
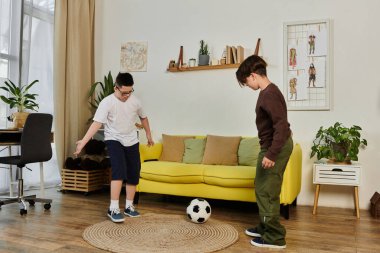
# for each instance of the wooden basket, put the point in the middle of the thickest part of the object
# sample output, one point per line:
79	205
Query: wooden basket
83	180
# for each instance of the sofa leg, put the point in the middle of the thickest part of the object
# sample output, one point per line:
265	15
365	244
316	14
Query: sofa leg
136	198
284	210
294	203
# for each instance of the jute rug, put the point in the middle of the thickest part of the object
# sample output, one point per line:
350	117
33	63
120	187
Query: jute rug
161	233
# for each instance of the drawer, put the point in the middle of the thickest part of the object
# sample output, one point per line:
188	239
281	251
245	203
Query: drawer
337	174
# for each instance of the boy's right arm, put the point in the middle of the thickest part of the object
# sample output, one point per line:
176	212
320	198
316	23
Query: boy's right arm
95	126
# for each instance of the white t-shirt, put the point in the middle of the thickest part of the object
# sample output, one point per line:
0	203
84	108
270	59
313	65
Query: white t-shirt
119	118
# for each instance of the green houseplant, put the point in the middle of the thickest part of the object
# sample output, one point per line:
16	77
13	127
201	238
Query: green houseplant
98	91
204	54
338	143
20	98
96	95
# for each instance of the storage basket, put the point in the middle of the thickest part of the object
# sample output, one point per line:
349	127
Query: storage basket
83	180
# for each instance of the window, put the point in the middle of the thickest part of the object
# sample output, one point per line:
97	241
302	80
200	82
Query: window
37	50
36	54
10	19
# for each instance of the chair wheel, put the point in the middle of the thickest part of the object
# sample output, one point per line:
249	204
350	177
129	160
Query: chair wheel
31	202
23	211
47	206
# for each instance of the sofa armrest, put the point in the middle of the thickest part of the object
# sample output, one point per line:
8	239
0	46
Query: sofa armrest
291	185
150	153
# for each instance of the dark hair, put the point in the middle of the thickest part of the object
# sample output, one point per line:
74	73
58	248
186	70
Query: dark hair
124	79
253	64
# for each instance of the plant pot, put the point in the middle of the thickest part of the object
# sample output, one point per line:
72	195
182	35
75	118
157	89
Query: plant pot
19	119
203	60
339	153
333	161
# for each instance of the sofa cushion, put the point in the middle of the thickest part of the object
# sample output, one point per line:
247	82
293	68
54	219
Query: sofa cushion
248	152
172	172
221	150
194	150
173	147
229	176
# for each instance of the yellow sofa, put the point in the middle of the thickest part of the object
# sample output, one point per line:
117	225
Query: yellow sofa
212	181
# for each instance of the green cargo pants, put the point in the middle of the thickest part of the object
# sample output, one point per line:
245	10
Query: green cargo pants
268	184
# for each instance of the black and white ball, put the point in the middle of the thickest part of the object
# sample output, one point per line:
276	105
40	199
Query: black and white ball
199	210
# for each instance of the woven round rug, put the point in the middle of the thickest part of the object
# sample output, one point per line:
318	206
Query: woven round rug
161	233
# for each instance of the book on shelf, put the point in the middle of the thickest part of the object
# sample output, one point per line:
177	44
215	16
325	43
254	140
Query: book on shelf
240	54
228	55
234	54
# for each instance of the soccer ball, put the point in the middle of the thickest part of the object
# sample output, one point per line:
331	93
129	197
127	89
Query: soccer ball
199	210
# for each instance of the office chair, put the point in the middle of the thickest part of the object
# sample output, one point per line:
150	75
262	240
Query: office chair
35	147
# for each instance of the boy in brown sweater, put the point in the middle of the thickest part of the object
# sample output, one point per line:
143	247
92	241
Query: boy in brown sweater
276	146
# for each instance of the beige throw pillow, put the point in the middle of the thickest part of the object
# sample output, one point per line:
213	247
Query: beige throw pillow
173	147
221	150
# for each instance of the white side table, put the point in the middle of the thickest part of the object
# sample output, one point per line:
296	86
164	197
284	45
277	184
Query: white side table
337	174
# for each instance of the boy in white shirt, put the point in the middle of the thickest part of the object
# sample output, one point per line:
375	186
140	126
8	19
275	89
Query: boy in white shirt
117	112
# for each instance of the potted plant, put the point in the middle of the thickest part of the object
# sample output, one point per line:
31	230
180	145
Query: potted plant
20	98
338	143
105	89
204	54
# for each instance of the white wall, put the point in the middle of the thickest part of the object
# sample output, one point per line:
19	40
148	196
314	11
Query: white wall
211	102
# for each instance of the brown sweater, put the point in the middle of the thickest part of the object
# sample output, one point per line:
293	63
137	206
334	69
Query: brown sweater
272	121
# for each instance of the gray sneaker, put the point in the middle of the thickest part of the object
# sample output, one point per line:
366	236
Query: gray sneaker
252	232
131	212
115	215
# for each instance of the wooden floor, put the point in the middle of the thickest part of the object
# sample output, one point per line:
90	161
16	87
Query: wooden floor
60	229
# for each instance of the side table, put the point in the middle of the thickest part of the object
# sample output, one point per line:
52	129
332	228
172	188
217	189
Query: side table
337	174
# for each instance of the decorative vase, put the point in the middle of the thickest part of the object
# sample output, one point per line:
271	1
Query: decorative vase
203	60
19	119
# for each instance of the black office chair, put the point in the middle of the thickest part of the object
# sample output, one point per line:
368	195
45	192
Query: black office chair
35	147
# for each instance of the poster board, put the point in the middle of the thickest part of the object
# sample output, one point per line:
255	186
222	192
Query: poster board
307	65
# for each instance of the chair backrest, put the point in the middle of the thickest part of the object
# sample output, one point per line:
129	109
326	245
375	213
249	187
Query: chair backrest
36	138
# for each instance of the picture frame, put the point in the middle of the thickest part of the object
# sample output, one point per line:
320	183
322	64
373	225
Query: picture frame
134	56
307	65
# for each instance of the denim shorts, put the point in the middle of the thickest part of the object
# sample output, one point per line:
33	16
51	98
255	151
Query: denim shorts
125	162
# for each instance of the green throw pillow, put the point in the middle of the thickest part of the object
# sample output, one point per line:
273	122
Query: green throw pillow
194	149
248	152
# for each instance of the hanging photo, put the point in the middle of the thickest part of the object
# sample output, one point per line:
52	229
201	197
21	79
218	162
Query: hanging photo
317	41
297	57
297	86
316	72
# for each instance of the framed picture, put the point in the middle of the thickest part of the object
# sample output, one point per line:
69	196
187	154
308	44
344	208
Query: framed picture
307	65
133	56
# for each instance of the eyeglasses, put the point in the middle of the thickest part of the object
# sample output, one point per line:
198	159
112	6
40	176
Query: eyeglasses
128	93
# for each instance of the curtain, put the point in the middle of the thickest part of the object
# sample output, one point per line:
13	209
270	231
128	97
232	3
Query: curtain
73	72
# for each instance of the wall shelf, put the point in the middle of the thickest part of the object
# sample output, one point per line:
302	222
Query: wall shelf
209	67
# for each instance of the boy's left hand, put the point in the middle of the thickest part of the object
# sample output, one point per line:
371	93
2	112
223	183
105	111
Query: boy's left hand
267	164
150	141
